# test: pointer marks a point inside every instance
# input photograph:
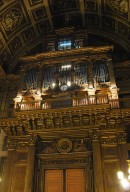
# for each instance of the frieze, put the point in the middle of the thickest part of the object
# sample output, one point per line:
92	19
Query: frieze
31	122
96	50
65	146
64	163
21	142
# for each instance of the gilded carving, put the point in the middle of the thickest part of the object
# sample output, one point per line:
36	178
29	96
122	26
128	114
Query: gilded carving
119	5
108	140
11	144
12	19
122	138
51	163
80	146
64	145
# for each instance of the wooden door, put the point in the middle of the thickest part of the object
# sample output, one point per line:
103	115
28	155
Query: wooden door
69	180
54	181
75	180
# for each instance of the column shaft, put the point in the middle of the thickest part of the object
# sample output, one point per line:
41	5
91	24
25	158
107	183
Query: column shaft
30	169
97	168
8	173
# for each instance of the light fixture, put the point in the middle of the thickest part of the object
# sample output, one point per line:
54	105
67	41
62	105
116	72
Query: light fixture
120	175
53	85
65	66
68	83
125	182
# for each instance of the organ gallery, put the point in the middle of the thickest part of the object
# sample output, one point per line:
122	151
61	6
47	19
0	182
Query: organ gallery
65	113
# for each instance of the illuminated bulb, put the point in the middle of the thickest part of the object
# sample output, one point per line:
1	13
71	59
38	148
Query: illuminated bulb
125	183
120	175
69	83
65	66
0	179
53	85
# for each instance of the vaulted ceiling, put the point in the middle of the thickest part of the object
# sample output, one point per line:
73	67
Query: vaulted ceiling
25	23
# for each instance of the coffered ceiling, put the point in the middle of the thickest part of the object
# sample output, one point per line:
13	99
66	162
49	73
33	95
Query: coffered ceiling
25	23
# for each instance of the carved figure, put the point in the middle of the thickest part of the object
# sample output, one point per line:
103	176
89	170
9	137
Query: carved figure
80	146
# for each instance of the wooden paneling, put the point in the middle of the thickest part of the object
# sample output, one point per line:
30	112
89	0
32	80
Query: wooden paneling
110	176
75	180
18	181
54	181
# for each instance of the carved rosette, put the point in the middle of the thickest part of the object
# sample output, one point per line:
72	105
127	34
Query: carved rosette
64	145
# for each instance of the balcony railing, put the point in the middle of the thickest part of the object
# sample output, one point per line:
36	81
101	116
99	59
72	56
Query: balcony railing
66	102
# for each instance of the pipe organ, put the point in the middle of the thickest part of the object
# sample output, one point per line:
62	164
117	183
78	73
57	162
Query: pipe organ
67	133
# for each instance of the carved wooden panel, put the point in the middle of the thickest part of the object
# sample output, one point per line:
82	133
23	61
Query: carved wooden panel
75	180
54	181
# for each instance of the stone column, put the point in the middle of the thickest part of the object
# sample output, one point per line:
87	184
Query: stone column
30	169
97	164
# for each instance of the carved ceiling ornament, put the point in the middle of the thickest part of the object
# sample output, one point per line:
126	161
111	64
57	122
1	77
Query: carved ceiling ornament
12	19
118	5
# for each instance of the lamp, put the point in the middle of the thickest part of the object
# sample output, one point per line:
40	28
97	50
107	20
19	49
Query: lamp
124	180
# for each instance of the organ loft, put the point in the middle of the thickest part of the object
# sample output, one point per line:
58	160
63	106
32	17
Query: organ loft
67	129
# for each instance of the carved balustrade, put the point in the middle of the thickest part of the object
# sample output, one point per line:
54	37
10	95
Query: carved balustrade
66	102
